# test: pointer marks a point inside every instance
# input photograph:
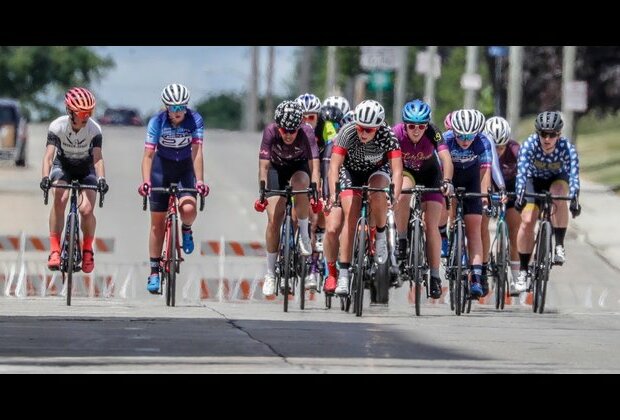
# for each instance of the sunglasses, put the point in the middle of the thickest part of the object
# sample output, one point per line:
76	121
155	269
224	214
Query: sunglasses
287	130
418	126
465	137
83	115
176	108
310	117
366	130
548	134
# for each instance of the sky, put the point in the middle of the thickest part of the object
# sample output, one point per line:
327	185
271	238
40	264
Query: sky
141	73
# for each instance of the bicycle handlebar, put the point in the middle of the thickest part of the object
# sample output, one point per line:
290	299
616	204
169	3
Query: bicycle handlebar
365	188
547	196
173	189
74	186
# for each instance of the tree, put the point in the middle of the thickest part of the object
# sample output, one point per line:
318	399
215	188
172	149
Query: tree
222	111
33	74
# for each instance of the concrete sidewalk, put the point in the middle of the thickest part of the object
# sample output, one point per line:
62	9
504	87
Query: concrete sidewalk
597	224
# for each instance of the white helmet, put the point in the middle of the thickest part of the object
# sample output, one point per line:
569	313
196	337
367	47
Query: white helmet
175	94
467	121
498	129
309	103
338	101
369	113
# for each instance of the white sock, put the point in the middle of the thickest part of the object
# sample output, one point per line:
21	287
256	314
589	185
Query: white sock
344	272
303	227
271	262
381	235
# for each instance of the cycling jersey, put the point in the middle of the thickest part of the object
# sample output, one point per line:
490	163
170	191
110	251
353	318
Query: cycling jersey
174	143
74	149
508	161
365	158
274	149
534	163
420	156
478	152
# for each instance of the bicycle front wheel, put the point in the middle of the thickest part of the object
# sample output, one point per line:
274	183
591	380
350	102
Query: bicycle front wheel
543	265
359	258
501	265
71	253
287	260
415	261
173	262
460	290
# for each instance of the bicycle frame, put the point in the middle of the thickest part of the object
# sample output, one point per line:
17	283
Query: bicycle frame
71	251
171	256
499	253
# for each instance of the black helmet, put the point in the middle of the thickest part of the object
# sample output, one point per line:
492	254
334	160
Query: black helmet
331	113
549	121
288	115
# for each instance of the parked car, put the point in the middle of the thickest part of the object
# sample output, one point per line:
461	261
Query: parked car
13	132
121	116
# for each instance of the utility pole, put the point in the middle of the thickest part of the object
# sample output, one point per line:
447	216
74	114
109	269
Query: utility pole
429	85
304	74
569	56
471	68
515	88
269	91
330	82
401	84
252	109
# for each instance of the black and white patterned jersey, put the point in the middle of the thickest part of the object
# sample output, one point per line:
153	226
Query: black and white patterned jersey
74	149
364	158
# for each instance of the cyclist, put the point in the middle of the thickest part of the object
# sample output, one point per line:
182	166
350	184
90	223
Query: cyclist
472	158
547	161
73	151
288	154
338	101
420	142
360	156
172	154
498	130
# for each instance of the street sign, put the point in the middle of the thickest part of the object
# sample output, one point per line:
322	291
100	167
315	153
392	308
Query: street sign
498	51
422	64
471	81
576	96
380	81
379	58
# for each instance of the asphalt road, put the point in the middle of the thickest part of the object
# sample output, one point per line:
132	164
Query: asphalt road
579	332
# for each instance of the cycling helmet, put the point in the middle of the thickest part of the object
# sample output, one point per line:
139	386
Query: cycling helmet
447	121
175	94
79	99
309	103
288	115
331	113
467	121
417	112
338	101
549	121
348	117
369	113
498	129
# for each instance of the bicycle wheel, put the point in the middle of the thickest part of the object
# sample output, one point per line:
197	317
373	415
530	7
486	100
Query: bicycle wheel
359	256
501	265
287	260
459	289
415	260
450	267
543	263
172	262
71	255
303	272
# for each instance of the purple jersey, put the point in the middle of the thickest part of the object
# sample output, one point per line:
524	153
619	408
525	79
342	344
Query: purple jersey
421	155
273	148
508	160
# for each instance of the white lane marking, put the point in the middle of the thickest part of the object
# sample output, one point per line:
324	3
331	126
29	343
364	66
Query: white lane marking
602	297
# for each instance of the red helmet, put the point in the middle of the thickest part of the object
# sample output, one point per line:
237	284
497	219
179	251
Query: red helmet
80	100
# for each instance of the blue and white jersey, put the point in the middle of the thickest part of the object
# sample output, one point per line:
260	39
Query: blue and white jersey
534	163
479	152
174	143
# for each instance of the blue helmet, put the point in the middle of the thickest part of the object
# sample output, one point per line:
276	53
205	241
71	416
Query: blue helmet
417	112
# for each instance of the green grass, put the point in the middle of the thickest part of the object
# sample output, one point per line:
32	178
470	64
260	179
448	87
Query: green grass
598	145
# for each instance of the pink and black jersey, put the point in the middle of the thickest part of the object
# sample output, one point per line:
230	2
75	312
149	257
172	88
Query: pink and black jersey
419	156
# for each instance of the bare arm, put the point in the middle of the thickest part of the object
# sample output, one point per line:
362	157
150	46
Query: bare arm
147	164
48	157
315	170
263	169
396	164
198	162
334	169
98	162
446	164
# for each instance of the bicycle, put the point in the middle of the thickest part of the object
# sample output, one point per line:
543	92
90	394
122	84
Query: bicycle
362	260
415	269
543	252
70	250
457	262
499	254
171	258
289	258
